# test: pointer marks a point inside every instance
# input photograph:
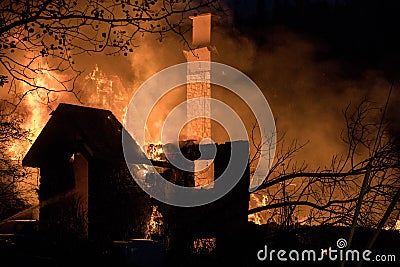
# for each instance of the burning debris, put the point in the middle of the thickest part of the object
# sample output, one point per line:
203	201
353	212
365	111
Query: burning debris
155	225
259	217
204	245
397	226
155	152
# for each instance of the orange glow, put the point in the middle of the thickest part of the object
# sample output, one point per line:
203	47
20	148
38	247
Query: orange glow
255	218
39	113
259	217
204	245
36	109
155	224
155	151
108	93
396	226
105	92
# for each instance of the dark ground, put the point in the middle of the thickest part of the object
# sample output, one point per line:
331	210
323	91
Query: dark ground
34	251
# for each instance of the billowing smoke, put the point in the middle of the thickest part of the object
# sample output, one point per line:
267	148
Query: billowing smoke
307	92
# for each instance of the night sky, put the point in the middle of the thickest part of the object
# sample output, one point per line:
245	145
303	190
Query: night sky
361	34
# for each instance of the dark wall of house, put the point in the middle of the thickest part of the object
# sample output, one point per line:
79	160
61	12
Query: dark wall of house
56	177
118	207
224	219
232	208
62	218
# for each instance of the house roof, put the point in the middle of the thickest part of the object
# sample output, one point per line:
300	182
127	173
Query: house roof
72	128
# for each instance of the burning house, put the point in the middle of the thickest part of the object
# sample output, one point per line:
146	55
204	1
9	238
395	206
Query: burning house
84	185
87	191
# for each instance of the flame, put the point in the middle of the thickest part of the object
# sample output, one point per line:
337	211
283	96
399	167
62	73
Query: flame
104	88
264	200
259	217
40	102
204	245
397	226
36	114
106	92
37	104
255	218
155	224
155	151
17	150
36	111
39	114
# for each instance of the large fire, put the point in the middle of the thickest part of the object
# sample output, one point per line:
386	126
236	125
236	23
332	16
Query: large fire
35	108
101	90
37	104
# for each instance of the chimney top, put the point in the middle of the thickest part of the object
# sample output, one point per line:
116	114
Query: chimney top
201	32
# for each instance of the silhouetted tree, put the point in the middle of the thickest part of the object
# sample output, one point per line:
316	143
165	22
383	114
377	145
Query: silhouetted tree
359	188
11	171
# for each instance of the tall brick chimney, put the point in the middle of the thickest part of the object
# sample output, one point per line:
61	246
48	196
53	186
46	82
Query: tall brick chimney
198	86
198	79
